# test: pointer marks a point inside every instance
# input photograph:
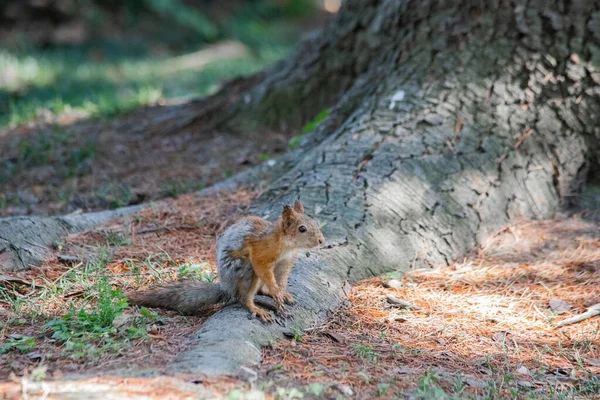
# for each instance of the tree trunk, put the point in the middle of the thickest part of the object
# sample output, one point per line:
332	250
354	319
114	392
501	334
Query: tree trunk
447	121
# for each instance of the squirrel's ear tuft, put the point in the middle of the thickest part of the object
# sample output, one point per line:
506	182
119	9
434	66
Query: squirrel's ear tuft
288	213
298	207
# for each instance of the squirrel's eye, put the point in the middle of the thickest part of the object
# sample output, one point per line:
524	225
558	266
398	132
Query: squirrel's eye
302	229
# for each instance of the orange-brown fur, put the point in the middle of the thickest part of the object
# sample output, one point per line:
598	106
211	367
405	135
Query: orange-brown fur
260	263
265	251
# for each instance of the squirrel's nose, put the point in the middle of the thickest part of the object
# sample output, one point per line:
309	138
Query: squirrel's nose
320	241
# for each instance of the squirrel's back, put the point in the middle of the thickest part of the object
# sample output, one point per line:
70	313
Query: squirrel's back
234	269
232	240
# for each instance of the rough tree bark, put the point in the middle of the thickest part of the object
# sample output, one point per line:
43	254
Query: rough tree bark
455	118
447	120
27	241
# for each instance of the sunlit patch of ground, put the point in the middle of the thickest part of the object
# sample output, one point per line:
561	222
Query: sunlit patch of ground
485	327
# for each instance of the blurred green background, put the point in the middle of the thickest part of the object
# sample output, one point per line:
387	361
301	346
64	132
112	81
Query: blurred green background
71	69
99	58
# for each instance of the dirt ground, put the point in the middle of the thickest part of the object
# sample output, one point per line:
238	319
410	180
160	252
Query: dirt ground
485	327
133	252
60	162
92	165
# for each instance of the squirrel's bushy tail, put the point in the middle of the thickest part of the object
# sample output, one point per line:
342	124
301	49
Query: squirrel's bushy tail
189	297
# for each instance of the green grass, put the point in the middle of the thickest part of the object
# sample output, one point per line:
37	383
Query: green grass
108	76
114	195
115	239
295	141
316	121
366	352
50	146
195	271
24	344
94	325
90	331
176	187
70	79
428	387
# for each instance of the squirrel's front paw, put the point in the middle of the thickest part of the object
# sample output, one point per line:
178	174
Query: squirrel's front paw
288	299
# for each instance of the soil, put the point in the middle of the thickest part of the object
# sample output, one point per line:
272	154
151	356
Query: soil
94	165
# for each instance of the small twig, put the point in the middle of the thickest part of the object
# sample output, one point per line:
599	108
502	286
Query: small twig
394	301
539	312
524	136
5	279
451	147
66	272
128	274
74	294
591	312
314	328
13	279
458	127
